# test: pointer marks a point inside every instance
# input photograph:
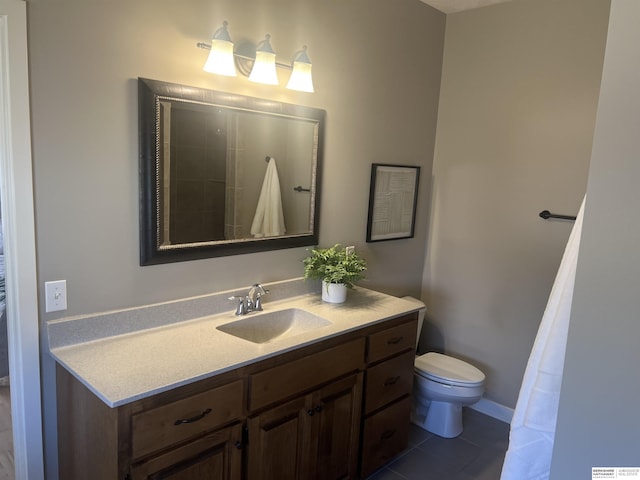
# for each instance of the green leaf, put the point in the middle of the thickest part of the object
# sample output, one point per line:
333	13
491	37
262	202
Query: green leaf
333	265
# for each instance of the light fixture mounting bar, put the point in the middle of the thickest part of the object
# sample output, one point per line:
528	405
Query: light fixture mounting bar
206	46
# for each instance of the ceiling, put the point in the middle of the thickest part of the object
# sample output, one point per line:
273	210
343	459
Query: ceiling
452	6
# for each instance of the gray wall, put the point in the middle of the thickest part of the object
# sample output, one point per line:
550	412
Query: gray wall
597	421
515	124
85	57
377	73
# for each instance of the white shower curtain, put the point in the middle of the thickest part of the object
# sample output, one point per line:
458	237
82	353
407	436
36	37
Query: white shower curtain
534	420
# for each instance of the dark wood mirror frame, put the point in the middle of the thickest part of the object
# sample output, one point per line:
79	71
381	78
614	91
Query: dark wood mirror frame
150	93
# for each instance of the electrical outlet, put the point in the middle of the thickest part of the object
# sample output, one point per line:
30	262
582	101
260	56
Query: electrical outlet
350	250
55	295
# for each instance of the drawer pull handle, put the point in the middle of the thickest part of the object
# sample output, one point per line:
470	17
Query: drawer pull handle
313	410
394	340
387	434
193	419
391	381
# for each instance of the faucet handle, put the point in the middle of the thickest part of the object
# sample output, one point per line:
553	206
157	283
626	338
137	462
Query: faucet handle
261	291
241	307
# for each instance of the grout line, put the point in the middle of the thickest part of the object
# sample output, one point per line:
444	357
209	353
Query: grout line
397	473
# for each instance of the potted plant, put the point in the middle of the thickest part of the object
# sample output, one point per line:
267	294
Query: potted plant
337	267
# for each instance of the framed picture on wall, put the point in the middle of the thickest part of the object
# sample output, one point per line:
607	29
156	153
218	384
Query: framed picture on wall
392	202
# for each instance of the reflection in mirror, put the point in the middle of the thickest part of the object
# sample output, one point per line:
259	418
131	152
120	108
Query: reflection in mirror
225	174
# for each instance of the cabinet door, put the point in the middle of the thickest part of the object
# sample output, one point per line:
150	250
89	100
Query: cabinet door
279	443
216	456
335	430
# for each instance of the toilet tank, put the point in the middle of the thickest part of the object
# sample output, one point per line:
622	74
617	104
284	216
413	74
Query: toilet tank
421	312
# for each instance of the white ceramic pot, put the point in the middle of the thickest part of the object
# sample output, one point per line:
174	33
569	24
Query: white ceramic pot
334	292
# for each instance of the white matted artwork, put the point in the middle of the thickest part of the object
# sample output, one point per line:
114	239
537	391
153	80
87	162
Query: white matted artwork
392	202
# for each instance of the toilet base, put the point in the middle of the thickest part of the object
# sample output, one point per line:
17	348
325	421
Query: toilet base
441	418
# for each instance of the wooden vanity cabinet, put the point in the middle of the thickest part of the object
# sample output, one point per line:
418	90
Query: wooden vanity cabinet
215	455
387	397
337	409
192	432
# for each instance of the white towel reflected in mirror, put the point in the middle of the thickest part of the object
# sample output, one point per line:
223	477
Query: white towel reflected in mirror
268	220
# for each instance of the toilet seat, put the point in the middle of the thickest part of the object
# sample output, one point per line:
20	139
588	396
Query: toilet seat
448	370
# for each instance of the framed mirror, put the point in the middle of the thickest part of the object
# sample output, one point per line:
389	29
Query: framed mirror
225	174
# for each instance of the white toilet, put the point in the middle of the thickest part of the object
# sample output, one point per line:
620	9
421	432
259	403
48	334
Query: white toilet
442	385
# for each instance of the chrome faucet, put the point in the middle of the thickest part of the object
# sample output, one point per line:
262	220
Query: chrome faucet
254	297
252	301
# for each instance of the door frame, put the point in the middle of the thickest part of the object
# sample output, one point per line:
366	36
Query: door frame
16	190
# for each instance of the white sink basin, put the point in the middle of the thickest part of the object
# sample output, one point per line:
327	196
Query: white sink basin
270	326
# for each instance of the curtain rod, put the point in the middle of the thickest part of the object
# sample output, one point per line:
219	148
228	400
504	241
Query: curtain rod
546	214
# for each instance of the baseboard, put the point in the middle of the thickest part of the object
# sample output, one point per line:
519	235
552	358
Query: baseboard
493	409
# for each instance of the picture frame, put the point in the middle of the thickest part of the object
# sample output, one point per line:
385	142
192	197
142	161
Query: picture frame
393	196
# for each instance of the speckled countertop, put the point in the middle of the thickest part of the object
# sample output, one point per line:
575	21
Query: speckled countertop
132	354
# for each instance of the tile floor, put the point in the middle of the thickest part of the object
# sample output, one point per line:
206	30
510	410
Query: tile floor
477	454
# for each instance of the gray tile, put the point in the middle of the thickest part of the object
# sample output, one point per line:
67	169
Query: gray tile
418	435
487	466
486	475
420	465
456	451
483	430
477	454
385	474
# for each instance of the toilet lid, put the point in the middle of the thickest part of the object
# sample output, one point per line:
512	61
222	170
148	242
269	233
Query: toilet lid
445	369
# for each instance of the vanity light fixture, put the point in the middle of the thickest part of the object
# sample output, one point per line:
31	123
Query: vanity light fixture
260	66
300	78
220	60
264	66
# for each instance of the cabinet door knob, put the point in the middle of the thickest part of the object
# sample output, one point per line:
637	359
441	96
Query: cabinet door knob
319	408
193	419
238	444
311	412
391	381
387	434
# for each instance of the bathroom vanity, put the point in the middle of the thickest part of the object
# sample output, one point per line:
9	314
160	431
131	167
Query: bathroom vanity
329	403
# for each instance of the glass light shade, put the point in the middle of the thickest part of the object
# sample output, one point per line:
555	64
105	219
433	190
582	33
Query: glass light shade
301	77
264	68
220	59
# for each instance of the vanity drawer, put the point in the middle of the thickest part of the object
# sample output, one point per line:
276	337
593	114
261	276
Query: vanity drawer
389	381
385	435
297	376
393	340
177	421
